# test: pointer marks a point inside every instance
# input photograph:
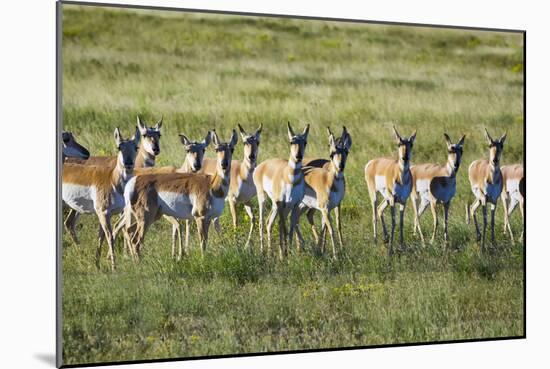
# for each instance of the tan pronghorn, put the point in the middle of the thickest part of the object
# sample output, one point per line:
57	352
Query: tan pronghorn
512	194
283	181
486	183
433	183
193	163
194	154
99	189
149	148
179	195
325	188
393	179
241	188
71	148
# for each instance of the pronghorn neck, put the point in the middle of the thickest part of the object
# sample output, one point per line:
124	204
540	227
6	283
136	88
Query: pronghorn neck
403	165
294	165
219	186
338	174
450	168
247	165
120	176
144	159
493	171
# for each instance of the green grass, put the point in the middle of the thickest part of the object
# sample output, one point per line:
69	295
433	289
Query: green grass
211	71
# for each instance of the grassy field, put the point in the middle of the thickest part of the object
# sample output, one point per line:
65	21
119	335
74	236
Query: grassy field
211	71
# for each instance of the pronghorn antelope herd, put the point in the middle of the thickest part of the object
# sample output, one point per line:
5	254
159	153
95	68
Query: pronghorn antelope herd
130	184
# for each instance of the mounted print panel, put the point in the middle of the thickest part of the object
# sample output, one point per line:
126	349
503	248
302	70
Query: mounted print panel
240	184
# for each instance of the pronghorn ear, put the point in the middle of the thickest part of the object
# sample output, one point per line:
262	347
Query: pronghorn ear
503	138
233	141
488	137
346	138
159	123
461	141
142	127
215	137
242	131
118	137
397	135
207	139
448	139
290	131
137	136
184	139
413	137
331	141
258	131
306	131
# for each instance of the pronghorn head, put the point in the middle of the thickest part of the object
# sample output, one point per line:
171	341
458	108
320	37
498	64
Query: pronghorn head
251	143
150	137
194	151
404	145
495	147
454	151
298	143
127	149
73	149
339	148
224	152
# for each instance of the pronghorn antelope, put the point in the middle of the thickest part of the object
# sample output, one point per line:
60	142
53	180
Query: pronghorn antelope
149	148
393	179
433	183
71	148
325	188
241	188
194	154
194	157
512	175
283	181
99	189
179	195
486	183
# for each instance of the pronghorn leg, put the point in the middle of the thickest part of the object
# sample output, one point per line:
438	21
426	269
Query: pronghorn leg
261	220
446	221
421	209
175	233
70	224
415	213
270	220
508	211
217	226
339	225
233	209
310	218
392	213
484	209
493	209
299	237
472	213
187	230
248	209
100	239
522	211
105	222
504	198
328	225
294	226
323	240
381	209
401	213
282	230
201	231
433	204
374	203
